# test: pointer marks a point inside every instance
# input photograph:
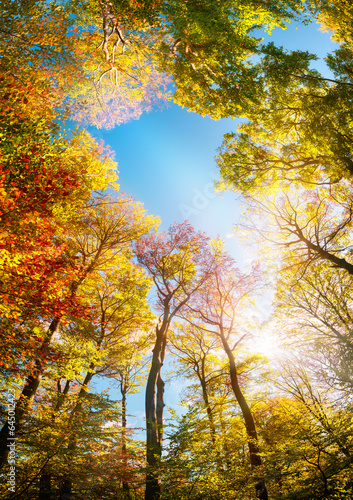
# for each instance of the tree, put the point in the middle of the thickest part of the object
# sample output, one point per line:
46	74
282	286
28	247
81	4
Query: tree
322	434
178	262
216	440
335	17
190	465
130	374
45	178
120	295
194	351
204	460
97	239
41	185
300	132
119	64
43	453
56	50
207	48
41	47
216	309
307	225
319	305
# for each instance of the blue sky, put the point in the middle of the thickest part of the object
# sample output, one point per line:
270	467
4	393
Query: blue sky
166	160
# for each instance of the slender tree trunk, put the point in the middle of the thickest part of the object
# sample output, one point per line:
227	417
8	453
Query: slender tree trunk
154	413
65	490
153	451
67	484
45	478
124	389
26	398
228	462
255	458
62	394
83	391
211	422
45	492
159	410
202	379
78	406
45	485
74	422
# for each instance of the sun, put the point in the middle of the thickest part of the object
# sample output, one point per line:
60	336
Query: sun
266	345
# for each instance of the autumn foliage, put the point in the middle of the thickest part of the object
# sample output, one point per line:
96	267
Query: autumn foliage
93	295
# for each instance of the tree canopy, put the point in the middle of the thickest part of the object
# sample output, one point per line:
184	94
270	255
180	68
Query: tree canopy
97	302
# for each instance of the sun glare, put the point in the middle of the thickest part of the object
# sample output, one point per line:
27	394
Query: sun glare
267	345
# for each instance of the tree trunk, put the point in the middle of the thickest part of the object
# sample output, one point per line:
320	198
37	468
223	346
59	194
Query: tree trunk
159	410
124	389
152	447
255	458
65	490
78	406
211	423
62	394
74	423
45	485
25	400
154	413
45	478
202	379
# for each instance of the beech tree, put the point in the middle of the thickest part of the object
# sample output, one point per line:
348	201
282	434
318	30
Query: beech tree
322	433
42	182
300	132
216	309
101	234
43	187
305	225
205	46
43	461
201	360
88	418
205	460
194	350
122	79
320	305
294	137
57	49
178	262
120	297
190	465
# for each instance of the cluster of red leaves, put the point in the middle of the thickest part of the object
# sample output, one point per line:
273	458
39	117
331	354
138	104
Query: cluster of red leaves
36	273
27	185
21	348
34	98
